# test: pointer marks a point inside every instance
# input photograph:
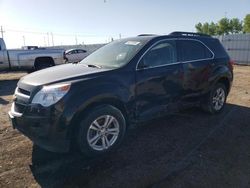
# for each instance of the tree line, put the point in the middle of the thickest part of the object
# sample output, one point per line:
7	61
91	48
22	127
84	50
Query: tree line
225	26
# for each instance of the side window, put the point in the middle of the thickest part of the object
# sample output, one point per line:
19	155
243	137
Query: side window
191	50
163	53
81	51
70	52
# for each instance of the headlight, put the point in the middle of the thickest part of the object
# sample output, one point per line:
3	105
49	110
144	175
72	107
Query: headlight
49	95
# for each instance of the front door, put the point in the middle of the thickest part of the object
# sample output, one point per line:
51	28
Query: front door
158	80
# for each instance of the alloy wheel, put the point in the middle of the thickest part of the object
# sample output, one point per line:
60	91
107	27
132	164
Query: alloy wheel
218	99
103	132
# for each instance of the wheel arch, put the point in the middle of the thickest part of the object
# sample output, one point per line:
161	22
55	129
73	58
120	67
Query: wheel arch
225	81
113	101
47	59
222	74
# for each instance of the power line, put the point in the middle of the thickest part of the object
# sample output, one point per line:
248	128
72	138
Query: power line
57	34
25	31
51	38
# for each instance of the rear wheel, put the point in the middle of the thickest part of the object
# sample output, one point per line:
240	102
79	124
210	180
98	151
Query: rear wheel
43	62
101	131
215	100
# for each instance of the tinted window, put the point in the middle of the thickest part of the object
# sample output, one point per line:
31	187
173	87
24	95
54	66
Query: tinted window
71	52
217	48
81	51
161	54
193	50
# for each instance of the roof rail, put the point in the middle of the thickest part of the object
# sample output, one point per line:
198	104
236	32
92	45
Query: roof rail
143	35
180	33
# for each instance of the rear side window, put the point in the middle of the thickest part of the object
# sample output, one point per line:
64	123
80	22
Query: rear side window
217	48
71	52
191	50
81	51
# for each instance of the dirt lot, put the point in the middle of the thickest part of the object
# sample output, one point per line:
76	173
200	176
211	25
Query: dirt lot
190	149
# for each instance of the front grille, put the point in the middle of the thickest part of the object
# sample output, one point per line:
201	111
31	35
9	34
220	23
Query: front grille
23	91
21	101
19	107
22	95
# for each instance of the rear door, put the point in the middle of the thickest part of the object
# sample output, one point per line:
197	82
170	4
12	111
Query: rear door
81	54
196	59
158	80
72	57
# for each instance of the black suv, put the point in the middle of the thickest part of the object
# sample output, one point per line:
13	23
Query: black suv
90	104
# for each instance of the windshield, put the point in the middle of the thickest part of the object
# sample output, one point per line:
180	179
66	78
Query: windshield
114	54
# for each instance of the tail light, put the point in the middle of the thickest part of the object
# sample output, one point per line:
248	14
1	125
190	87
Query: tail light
231	64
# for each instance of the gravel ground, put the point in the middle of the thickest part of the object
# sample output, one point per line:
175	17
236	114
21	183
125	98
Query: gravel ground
188	149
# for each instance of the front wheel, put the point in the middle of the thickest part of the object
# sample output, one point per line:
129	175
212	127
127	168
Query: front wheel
215	100
101	131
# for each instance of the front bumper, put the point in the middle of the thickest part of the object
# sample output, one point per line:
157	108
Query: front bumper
46	130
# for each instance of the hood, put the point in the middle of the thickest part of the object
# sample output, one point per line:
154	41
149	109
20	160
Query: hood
59	73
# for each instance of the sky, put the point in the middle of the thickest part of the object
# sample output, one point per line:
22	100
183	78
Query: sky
61	22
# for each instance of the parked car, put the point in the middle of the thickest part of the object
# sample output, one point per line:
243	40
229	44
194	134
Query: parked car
91	104
30	58
75	55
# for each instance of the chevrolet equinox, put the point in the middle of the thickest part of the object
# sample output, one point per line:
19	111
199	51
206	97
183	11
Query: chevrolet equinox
90	104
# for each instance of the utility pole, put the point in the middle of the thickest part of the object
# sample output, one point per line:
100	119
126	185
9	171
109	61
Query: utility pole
23	40
225	14
2	31
76	39
48	37
52	37
44	38
120	35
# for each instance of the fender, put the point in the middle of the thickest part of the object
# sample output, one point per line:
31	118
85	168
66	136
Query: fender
97	94
219	73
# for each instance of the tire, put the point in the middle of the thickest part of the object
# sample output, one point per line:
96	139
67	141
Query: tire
215	100
94	138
